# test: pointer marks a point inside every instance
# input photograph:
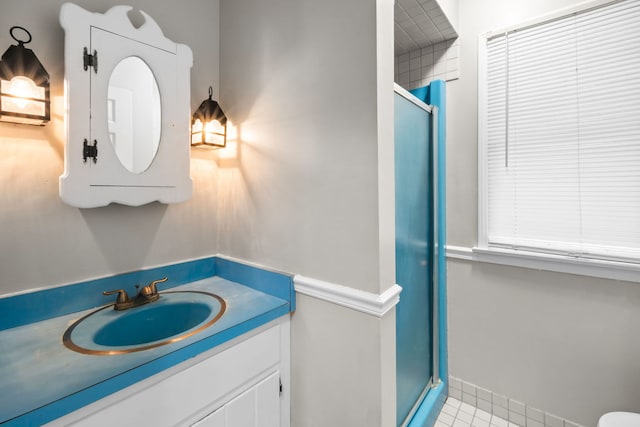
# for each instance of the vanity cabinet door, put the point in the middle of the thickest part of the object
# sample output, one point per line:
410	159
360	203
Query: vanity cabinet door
258	406
130	155
215	419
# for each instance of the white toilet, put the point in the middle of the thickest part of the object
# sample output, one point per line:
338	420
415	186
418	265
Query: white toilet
619	419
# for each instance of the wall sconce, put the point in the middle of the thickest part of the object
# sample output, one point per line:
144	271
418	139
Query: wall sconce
209	124
24	85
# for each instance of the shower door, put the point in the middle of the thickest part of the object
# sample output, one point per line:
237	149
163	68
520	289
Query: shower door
414	252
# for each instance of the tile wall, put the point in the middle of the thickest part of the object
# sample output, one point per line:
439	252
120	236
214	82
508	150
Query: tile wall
419	67
514	412
419	23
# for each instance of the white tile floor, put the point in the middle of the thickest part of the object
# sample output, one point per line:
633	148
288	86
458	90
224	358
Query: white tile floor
459	414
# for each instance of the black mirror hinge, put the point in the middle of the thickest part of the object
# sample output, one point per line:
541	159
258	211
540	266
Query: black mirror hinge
90	60
90	151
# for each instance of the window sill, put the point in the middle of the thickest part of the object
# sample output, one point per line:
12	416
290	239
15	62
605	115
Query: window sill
562	264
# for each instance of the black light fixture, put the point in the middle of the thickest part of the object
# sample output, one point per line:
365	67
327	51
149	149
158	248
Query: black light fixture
24	84
209	124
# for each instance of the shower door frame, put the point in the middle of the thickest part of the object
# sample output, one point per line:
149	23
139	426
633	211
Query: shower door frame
429	403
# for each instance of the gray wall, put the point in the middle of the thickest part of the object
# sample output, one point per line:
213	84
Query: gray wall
301	86
563	343
45	242
309	84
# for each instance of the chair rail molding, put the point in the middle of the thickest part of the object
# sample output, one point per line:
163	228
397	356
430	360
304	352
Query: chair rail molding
366	302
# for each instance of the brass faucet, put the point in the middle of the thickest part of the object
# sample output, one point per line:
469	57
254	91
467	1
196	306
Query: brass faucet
145	295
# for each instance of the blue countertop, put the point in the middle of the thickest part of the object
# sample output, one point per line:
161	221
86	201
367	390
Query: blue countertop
41	379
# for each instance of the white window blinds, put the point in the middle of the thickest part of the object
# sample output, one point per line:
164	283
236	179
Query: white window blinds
562	135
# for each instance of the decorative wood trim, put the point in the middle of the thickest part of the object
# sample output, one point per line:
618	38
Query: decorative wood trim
366	302
459	252
603	269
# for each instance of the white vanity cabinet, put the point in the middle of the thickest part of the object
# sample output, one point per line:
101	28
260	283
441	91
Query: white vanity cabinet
256	407
243	383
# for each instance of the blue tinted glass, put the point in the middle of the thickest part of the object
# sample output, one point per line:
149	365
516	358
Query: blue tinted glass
414	245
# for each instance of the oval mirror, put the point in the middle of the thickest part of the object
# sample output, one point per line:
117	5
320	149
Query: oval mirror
134	114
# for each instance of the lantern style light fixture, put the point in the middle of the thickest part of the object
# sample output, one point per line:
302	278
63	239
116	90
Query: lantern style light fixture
24	85
209	124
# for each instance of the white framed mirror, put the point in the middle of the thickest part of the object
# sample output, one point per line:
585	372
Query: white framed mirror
127	91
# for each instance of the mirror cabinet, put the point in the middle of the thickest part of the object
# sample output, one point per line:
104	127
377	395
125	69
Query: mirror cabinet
127	93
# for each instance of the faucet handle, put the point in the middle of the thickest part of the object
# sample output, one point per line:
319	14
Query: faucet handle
152	285
122	295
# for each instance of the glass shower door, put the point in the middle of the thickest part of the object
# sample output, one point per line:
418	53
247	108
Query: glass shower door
414	254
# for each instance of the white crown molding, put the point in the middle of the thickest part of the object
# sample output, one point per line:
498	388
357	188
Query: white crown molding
366	302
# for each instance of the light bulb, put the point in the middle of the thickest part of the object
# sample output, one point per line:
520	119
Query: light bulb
22	89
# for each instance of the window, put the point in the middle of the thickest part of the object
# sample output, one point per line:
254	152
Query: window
560	136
